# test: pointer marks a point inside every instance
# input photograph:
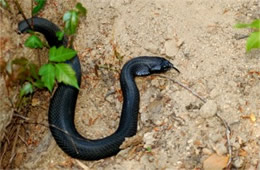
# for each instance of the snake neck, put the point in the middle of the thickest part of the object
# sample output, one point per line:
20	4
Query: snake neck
131	97
47	28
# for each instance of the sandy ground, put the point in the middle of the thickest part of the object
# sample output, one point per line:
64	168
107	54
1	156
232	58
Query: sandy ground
176	130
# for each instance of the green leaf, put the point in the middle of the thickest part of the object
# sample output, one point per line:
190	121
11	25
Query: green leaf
81	10
4	3
71	22
67	16
253	41
61	54
33	42
65	74
255	24
34	71
47	73
20	61
39	84
38	7
26	89
60	35
241	25
149	149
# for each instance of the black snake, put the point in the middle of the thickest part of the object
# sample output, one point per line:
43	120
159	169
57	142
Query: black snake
63	103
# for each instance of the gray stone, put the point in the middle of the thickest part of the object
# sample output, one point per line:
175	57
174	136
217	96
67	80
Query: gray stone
170	48
209	109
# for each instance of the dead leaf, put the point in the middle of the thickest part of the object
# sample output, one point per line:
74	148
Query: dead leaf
215	162
132	141
242	152
35	102
251	117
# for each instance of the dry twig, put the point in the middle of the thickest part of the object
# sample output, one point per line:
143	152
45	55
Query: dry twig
185	87
228	133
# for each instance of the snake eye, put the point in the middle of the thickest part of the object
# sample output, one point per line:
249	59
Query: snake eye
166	65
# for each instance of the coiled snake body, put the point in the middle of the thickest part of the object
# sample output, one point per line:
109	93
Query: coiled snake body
63	103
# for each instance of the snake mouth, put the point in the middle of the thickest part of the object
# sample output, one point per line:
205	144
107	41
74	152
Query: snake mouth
173	67
167	66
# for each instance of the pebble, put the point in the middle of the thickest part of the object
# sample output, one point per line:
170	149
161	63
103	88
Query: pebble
170	48
209	109
207	151
238	162
221	149
148	139
151	47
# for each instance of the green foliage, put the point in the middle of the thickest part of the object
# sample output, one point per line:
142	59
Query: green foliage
253	40
4	3
47	73
149	149
26	89
60	35
64	73
81	9
71	19
71	22
57	69
254	24
22	72
33	42
38	7
30	76
61	54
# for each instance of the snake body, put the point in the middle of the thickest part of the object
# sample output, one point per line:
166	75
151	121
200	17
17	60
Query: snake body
63	103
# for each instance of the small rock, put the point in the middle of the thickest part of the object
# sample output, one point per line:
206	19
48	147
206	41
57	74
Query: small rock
221	149
238	162
169	33
148	139
151	47
215	137
215	92
207	151
170	48
209	109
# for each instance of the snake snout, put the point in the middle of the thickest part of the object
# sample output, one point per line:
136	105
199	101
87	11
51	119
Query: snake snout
166	65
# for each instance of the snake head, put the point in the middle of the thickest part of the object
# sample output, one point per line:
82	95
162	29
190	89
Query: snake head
162	66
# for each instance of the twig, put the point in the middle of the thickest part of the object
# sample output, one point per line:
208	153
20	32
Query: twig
22	139
21	11
20	116
228	132
83	166
182	85
3	153
239	37
13	153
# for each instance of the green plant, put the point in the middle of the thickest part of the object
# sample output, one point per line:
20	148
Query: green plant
30	76
253	40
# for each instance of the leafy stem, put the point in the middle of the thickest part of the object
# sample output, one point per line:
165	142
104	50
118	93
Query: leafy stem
253	40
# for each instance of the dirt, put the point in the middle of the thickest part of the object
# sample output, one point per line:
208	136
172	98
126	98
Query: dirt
176	130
